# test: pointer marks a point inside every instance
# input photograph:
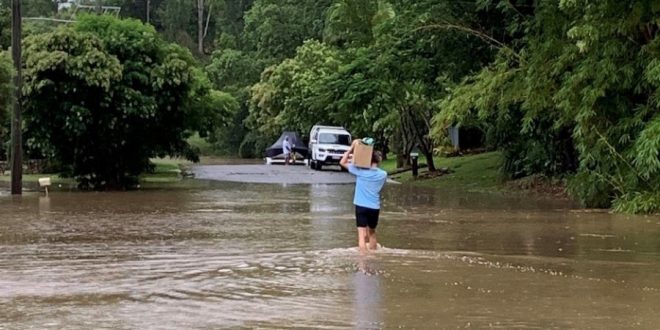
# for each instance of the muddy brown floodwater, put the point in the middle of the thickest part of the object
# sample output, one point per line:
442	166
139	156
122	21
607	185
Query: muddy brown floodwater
232	255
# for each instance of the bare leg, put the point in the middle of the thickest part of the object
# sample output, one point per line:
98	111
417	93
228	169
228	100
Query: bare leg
362	236
371	238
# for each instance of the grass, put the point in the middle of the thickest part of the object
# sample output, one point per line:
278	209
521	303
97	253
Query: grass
34	178
472	173
167	170
468	173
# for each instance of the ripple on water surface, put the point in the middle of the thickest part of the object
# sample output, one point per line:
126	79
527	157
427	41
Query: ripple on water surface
278	257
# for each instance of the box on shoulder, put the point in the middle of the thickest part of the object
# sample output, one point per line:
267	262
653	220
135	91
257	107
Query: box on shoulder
362	155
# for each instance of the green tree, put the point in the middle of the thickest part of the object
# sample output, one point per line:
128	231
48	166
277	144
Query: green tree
350	23
275	28
176	19
106	95
6	97
254	36
234	71
390	86
231	19
38	8
359	96
5	26
578	81
286	96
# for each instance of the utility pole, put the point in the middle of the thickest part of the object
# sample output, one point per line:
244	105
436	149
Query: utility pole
16	120
99	7
148	10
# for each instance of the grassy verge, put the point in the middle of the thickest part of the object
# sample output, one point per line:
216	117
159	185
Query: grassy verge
34	178
472	173
167	170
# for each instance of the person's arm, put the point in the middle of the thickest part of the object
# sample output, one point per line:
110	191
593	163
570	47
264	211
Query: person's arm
344	159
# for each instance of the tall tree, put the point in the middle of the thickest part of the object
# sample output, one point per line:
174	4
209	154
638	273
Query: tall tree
5	26
275	28
349	23
17	115
200	26
110	89
176	19
585	73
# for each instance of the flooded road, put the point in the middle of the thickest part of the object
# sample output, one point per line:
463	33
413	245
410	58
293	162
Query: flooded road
259	173
231	255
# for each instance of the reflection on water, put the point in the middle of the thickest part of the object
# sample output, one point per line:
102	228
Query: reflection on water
238	255
367	307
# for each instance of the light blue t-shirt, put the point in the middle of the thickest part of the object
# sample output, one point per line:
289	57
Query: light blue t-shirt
368	184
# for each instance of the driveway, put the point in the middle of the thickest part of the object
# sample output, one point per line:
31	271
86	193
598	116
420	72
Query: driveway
292	174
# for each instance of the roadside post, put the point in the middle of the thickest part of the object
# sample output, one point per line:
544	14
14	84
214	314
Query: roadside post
45	183
413	160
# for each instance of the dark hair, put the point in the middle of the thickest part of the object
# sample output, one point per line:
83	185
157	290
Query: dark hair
376	157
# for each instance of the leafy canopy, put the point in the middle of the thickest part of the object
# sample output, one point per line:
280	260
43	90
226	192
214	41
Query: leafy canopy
105	95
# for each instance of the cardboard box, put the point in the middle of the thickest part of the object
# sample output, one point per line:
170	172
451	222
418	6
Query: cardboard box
362	155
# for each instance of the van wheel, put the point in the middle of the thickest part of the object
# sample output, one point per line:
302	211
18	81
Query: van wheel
319	166
312	164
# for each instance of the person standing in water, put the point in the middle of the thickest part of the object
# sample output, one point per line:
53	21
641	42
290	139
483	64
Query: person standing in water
368	185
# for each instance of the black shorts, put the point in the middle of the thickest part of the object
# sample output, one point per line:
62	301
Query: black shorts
365	216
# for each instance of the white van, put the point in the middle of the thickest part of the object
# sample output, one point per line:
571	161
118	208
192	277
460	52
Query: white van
327	144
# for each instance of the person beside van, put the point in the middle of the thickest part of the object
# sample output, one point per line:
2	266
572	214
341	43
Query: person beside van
368	185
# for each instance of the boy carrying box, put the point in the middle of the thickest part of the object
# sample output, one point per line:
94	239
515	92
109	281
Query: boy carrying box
369	182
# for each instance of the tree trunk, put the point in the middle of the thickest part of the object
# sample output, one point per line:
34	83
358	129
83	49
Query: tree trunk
426	147
99	7
382	144
417	127
403	161
404	145
200	26
148	11
16	137
429	161
208	19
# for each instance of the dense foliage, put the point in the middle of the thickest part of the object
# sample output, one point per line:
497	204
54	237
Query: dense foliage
563	88
105	95
6	96
377	71
579	93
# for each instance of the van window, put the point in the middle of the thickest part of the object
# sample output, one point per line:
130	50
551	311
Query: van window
329	138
